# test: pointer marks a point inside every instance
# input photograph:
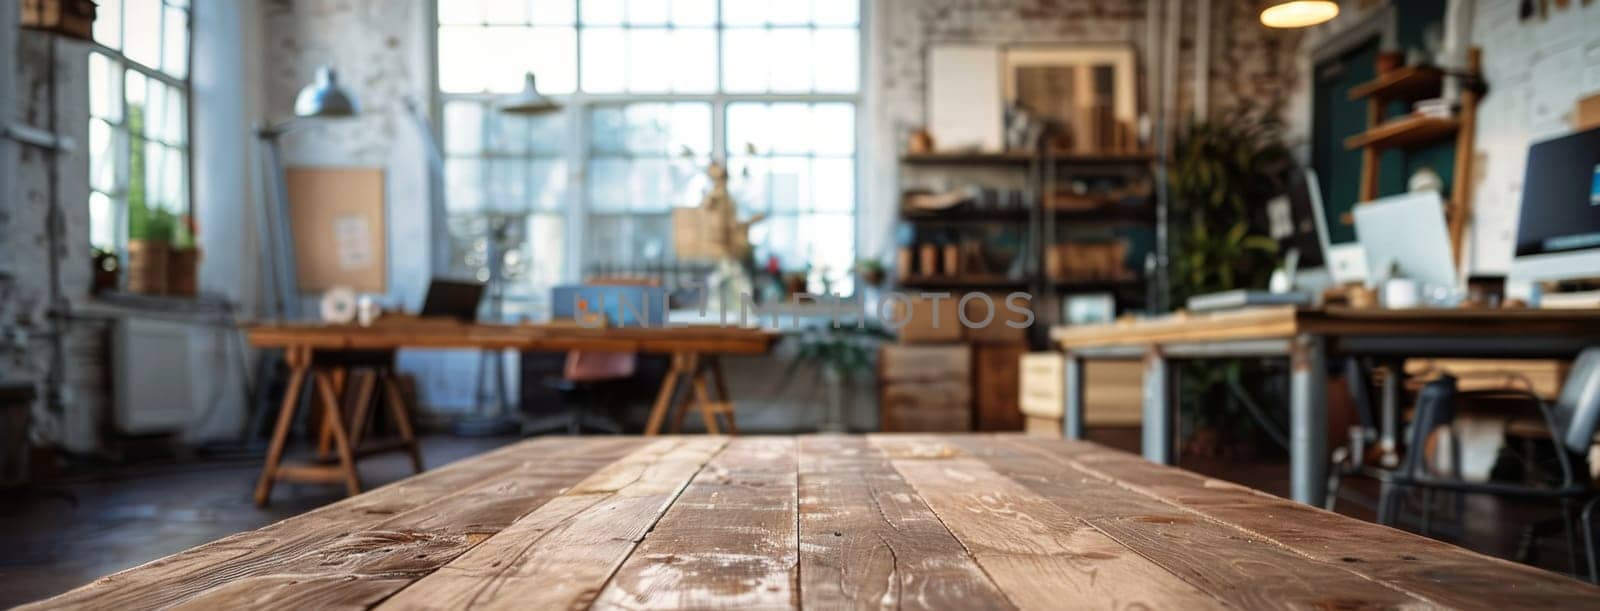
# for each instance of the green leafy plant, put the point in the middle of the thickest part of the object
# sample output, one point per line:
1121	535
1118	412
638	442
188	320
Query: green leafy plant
1221	176
845	350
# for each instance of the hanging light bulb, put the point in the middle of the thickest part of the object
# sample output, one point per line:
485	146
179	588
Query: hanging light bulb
1298	13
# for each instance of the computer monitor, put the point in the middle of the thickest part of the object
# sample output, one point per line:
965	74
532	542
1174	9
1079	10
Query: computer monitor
1558	228
1406	233
456	299
1296	221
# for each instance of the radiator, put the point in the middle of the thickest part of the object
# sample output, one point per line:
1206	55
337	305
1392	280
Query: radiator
158	370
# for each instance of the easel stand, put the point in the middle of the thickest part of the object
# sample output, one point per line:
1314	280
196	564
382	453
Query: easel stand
700	374
340	436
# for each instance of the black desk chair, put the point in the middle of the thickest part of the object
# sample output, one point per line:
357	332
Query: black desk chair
1572	420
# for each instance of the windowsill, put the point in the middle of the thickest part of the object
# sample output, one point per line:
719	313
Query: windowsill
115	304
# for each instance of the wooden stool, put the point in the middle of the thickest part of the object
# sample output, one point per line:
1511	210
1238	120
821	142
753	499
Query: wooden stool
329	372
700	371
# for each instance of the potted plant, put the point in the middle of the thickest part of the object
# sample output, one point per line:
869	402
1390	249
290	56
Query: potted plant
1221	176
183	259
836	356
149	248
871	271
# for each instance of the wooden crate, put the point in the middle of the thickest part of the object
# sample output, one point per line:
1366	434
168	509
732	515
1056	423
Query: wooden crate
900	363
1040	385
996	371
926	407
920	329
997	331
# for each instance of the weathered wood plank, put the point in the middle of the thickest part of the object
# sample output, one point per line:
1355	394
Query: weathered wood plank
728	541
1041	556
1230	564
196	572
1437	572
379	560
561	555
868	541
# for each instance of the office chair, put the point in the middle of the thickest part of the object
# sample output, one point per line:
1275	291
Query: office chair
1572	421
589	380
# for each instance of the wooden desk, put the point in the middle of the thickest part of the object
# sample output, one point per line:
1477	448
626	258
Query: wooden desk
937	522
322	354
1307	337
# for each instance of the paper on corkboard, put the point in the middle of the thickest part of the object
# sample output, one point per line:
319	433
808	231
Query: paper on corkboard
337	218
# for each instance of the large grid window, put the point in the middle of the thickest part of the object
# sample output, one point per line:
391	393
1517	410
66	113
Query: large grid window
138	130
652	91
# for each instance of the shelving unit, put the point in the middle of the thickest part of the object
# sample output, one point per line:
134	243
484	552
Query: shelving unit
1409	132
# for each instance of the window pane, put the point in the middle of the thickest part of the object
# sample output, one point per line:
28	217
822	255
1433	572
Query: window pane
649	60
142	31
507	187
608	185
175	43
462	67
833	185
460	12
463	127
103	229
604	60
603	12
791	60
108	23
105	88
547	184
836	12
833	129
693	54
554	60
789	182
827	241
134	87
647	12
836	58
463	180
105	144
694	12
744	60
744	12
553	12
789	12
504	12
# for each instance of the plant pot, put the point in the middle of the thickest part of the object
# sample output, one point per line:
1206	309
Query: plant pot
147	267
873	276
183	271
794	283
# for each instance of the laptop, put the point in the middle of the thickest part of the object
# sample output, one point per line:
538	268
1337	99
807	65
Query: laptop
456	299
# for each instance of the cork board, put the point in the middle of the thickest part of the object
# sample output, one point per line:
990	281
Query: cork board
337	219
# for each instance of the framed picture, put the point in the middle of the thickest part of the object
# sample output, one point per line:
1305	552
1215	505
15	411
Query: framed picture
1085	93
963	112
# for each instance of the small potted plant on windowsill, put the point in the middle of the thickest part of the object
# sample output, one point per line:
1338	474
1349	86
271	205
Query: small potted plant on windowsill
183	259
149	249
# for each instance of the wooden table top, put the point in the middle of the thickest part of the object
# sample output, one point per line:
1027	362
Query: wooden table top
445	334
1282	322
951	522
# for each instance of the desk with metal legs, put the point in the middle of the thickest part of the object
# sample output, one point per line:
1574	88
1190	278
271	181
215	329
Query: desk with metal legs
1307	337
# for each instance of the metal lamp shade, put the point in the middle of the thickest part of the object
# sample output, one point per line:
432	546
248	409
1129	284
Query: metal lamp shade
1298	13
528	101
324	97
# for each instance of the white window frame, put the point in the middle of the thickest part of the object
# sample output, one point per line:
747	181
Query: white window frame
119	198
577	106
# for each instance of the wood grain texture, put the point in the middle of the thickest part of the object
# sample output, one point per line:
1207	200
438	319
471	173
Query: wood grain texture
304	545
822	522
1040	555
867	541
729	541
1227	562
197	571
1436	572
562	555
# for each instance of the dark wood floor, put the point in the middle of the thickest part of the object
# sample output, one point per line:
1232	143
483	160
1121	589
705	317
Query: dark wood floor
129	516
